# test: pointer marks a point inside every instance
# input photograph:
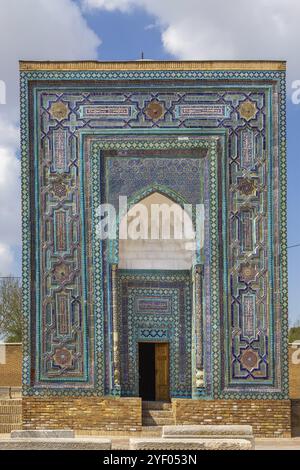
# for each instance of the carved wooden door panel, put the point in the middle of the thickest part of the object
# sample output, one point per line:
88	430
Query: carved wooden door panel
162	375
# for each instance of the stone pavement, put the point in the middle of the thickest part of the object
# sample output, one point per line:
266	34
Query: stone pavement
184	443
122	442
277	444
55	444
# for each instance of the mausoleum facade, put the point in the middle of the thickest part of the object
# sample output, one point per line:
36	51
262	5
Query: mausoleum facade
110	322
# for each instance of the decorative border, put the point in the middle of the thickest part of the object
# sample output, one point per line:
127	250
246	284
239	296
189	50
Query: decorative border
117	74
155	144
98	145
171	279
155	65
225	74
282	177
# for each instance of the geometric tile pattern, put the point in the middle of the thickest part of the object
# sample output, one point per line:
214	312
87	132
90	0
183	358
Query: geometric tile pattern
246	333
167	169
171	324
129	172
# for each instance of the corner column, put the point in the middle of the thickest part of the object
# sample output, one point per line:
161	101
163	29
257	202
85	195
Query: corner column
198	369
115	317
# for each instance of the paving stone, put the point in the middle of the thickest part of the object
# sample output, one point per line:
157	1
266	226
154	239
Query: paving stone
43	434
196	430
208	431
55	444
189	444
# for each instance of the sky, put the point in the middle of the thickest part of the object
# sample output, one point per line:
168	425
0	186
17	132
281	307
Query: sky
121	29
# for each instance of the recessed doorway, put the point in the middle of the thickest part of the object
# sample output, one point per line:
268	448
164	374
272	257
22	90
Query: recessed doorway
154	381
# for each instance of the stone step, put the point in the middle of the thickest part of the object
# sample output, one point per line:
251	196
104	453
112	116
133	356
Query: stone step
7	428
56	444
206	430
43	434
10	418
157	414
158	421
152	431
220	431
10	409
10	415
12	401
156	405
188	444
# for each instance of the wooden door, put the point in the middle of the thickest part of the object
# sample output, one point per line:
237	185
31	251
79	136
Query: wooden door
162	387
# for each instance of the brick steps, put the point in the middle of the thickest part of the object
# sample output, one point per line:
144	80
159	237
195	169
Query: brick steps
151	431
11	402
157	414
10	415
158	421
156	405
6	409
7	428
10	418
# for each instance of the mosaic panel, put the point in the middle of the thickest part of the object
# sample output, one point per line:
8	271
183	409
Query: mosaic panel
194	163
250	107
129	172
173	324
154	304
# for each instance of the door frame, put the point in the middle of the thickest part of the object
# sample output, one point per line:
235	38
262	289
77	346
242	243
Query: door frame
138	364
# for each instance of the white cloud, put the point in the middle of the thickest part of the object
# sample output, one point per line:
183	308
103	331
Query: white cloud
231	29
109	5
40	30
9	197
9	135
6	259
30	30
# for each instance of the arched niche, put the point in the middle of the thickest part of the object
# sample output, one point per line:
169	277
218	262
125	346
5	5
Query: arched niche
156	233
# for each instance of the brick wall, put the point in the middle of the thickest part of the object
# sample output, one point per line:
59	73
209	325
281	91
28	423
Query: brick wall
10	365
296	418
294	371
269	418
90	413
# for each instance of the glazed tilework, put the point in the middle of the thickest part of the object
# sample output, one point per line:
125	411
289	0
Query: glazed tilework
129	172
68	120
172	324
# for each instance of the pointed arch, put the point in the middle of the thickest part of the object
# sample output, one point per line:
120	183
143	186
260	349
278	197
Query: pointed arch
156	233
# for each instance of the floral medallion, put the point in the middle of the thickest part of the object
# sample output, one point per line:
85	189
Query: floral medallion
249	359
59	188
63	357
155	110
246	186
59	110
247	272
248	110
61	272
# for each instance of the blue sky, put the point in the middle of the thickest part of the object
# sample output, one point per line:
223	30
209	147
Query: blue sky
162	29
124	36
293	126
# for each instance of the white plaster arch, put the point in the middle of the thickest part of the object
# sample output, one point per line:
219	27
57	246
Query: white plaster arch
138	249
